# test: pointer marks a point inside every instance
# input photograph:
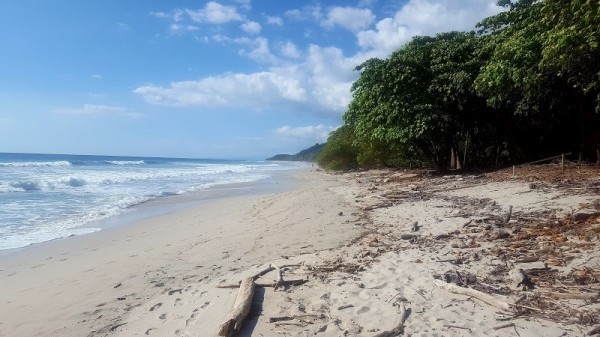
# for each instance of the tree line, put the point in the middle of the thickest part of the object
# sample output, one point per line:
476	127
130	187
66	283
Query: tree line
523	85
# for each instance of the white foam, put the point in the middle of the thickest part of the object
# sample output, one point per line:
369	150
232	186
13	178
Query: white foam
126	162
36	164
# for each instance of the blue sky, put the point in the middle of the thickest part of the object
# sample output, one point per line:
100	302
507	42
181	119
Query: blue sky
239	79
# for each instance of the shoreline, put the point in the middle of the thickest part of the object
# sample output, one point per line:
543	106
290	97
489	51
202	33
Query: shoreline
368	243
160	206
81	285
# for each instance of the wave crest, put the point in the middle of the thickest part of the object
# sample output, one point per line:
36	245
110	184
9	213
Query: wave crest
36	163
126	162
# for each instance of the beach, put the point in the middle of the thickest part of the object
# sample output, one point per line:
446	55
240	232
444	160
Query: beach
367	246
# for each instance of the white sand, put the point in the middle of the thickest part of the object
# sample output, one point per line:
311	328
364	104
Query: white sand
159	277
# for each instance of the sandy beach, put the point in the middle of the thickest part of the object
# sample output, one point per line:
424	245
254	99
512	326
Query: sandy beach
368	244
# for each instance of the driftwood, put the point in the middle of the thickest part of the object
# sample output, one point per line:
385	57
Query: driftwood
302	318
489	299
288	283
570	296
503	326
399	329
241	308
279	281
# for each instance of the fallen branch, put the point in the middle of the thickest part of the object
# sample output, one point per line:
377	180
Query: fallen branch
569	296
241	308
457	327
399	329
508	325
279	281
288	283
489	299
293	317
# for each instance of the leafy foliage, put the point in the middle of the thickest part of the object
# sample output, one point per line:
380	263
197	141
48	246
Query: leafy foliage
339	153
309	154
524	85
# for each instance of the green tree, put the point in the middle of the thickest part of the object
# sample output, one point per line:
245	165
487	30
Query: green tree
571	51
538	74
340	152
421	100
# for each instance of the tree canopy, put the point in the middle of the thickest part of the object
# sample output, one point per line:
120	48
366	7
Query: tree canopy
525	84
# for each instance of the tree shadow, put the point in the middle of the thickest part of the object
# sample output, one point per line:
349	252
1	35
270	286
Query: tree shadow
255	313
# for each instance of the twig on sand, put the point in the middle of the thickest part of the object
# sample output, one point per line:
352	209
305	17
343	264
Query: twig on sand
457	327
507	325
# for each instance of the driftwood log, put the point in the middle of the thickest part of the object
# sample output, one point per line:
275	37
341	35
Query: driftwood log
399	329
489	299
284	284
241	308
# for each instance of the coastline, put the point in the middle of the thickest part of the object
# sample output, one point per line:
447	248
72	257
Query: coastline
81	285
353	238
160	206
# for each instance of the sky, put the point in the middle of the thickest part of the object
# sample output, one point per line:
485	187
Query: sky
231	79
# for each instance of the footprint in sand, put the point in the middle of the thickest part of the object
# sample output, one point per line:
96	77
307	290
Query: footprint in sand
192	318
163	316
179	302
156	306
363	309
204	305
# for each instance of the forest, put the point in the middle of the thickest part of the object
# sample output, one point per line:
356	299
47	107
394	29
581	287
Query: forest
523	85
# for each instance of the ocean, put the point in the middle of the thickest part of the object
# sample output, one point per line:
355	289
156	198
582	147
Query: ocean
47	196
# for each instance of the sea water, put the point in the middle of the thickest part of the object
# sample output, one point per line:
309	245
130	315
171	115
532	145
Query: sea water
47	196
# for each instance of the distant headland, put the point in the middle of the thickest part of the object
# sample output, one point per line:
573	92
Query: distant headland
309	154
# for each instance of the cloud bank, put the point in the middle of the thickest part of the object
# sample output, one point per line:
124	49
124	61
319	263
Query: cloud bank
315	79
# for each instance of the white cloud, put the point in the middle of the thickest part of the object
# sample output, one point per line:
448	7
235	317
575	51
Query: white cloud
316	133
305	13
215	13
274	20
260	51
319	84
367	3
387	36
251	27
316	80
289	49
176	16
176	28
123	27
96	76
245	4
353	19
93	109
424	17
257	90
429	17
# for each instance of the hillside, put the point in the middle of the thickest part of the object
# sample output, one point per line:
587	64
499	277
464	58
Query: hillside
309	154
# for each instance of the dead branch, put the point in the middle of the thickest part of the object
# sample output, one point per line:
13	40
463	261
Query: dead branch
288	283
503	326
491	300
241	308
399	329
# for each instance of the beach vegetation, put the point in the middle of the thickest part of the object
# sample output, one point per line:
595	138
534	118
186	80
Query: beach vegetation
340	152
523	85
